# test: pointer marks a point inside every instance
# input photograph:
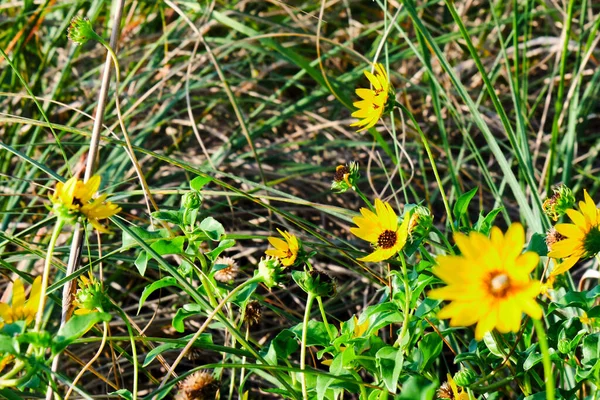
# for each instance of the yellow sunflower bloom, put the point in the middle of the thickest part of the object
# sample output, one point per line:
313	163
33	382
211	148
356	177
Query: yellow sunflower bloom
21	309
489	282
374	102
74	198
381	229
286	250
581	239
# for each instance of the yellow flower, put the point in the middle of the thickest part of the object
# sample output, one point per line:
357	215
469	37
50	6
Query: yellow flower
489	283
286	250
581	238
21	309
74	198
382	230
374	101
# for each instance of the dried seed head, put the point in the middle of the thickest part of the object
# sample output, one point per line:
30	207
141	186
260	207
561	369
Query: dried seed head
229	272
253	313
445	392
552	237
198	386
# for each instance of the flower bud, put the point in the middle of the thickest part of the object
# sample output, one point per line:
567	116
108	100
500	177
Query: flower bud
270	271
192	200
564	346
80	31
315	282
558	204
90	296
421	221
345	177
465	377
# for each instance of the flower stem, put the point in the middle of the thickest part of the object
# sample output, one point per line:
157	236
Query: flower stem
548	377
364	198
407	296
46	274
324	316
309	302
432	161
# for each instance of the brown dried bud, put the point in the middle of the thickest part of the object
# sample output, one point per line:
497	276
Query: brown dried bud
253	313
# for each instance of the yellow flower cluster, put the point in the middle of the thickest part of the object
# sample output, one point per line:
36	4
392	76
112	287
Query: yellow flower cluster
76	198
21	309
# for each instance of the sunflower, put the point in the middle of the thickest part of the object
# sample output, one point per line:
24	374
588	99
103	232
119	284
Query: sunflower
489	283
21	309
382	230
74	198
374	101
581	239
286	250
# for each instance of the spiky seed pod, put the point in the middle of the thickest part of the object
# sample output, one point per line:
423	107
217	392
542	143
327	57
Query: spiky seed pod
253	313
198	386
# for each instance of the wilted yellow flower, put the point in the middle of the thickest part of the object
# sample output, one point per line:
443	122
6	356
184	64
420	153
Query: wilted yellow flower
374	101
21	309
286	250
489	282
74	198
581	238
382	230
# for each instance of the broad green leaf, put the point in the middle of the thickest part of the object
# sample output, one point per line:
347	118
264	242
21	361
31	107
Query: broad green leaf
123	393
205	338
430	347
9	345
129	241
462	203
148	290
169	246
186	311
538	245
223	245
172	216
316	334
76	327
389	362
141	262
212	228
417	388
199	182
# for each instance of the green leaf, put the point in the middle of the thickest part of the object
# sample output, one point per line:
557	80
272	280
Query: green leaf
123	393
417	388
212	228
186	311
380	315
316	334
129	241
389	362
9	345
199	182
141	262
538	245
430	348
172	216
148	290
484	224
223	245
462	203
76	327
282	346
169	246
205	338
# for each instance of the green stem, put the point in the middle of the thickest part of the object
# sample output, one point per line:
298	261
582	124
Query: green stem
309	302
133	351
407	296
364	198
432	161
46	274
324	316
548	376
205	325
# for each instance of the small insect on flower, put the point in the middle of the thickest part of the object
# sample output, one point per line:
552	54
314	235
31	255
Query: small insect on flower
375	102
229	270
489	283
21	309
581	237
198	386
286	250
381	229
74	198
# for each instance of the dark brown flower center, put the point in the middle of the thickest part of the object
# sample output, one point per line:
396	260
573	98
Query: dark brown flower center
499	284
387	239
340	171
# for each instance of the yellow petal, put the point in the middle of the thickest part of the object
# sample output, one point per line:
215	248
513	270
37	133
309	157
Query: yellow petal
18	297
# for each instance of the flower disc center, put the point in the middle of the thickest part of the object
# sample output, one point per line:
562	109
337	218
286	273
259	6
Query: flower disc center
499	284
387	239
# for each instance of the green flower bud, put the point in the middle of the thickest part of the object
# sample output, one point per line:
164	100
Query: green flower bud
315	282
465	377
562	200
80	31
270	271
90	296
345	177
420	222
192	200
564	346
